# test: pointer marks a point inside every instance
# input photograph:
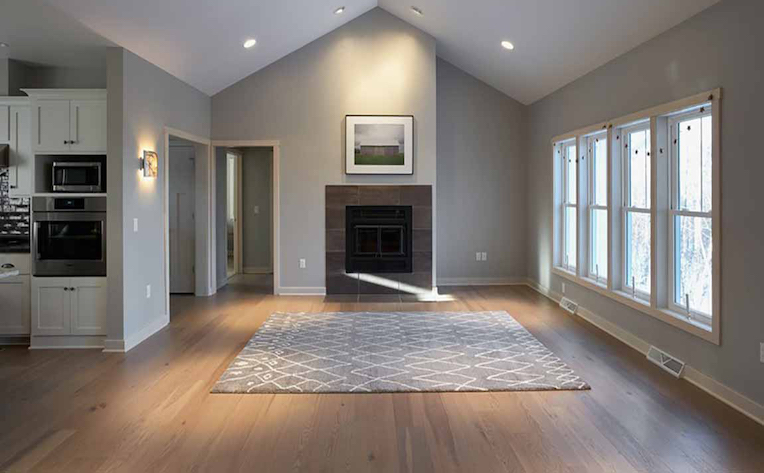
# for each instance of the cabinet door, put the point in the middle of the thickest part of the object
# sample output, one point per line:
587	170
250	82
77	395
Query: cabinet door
5	124
14	299
52	130
88	125
51	306
22	159
88	306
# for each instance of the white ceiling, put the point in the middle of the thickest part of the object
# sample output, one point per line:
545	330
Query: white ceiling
39	34
199	41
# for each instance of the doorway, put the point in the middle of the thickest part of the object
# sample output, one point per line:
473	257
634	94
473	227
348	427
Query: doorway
247	221
181	207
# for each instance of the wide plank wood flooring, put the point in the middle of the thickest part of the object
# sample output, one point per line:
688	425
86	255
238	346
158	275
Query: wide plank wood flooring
150	410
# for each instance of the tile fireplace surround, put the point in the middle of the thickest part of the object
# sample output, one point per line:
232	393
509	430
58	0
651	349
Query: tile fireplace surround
337	198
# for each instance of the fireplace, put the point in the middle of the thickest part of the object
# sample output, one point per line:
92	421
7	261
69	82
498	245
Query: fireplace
378	239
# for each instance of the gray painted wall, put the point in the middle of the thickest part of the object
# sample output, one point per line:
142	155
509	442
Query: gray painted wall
719	47
375	64
150	100
256	179
481	179
4	77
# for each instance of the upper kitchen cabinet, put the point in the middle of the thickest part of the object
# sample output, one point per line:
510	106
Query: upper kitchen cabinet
68	121
15	130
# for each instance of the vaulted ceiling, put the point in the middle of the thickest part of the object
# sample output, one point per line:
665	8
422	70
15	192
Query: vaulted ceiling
556	41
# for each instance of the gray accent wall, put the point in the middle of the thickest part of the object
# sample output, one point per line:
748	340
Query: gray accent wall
256	180
144	99
481	180
720	47
375	64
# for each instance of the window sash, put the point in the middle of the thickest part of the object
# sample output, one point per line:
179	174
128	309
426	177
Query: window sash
568	204
675	211
626	166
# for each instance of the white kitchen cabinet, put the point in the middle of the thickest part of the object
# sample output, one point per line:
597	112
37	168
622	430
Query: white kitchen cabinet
52	126
5	121
69	306
88	125
68	121
14	300
21	157
88	306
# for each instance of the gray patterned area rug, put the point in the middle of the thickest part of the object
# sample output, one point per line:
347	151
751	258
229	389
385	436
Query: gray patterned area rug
353	352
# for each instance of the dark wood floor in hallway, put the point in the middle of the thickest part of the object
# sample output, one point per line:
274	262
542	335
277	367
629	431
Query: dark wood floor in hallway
150	410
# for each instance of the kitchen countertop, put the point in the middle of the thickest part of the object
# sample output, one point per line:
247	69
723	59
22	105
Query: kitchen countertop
8	273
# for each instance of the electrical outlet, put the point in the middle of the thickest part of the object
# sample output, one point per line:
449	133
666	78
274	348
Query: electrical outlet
563	288
477	256
484	256
303	263
148	291
761	352
135	225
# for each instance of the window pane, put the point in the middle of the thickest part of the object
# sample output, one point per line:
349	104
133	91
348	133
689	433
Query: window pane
707	163
570	155
600	171
693	263
638	251
690	169
599	244
570	237
639	169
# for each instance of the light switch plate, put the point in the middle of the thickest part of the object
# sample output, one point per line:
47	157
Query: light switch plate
257	209
148	291
303	263
563	288
477	256
135	225
484	256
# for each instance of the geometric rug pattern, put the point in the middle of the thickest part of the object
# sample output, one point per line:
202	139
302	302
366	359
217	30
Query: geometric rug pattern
361	352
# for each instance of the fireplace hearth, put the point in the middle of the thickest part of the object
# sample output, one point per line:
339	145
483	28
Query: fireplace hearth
378	239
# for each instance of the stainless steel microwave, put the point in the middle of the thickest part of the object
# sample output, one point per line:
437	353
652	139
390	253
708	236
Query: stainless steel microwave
77	177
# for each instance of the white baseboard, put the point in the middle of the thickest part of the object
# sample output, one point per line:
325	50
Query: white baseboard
729	396
123	346
257	270
480	281
301	291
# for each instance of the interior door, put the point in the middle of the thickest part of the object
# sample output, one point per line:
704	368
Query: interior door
52	125
182	227
88	125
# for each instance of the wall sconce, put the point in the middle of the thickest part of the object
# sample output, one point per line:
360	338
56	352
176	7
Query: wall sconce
149	164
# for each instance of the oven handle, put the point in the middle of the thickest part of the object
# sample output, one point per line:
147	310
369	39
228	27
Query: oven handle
35	228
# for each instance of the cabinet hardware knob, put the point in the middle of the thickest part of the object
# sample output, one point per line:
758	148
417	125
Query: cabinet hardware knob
66	289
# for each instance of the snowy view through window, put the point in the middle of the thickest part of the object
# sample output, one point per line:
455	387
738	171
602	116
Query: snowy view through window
638	212
692	239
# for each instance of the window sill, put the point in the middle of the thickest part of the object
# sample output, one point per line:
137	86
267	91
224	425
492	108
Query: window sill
706	332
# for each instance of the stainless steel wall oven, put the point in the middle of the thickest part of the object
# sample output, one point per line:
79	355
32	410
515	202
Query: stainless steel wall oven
69	236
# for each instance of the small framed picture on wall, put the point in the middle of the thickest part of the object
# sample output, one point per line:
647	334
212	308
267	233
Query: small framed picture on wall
379	144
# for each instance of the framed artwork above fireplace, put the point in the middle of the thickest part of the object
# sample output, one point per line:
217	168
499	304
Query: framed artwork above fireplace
379	144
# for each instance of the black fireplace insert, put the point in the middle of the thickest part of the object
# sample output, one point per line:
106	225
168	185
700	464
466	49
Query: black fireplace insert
378	239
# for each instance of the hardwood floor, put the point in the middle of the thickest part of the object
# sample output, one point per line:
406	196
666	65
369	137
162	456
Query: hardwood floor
150	410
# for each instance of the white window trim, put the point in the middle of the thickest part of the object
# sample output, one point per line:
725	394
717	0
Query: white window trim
664	313
675	211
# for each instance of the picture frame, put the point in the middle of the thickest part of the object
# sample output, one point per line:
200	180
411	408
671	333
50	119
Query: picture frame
379	144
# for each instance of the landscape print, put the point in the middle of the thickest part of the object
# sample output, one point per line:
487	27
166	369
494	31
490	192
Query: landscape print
379	144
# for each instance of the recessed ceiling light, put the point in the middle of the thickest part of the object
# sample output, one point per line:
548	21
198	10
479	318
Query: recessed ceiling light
507	45
417	11
4	45
339	11
250	42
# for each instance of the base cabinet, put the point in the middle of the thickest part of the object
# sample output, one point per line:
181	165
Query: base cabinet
14	301
69	306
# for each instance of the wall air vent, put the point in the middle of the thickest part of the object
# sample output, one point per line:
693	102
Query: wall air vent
569	305
666	361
